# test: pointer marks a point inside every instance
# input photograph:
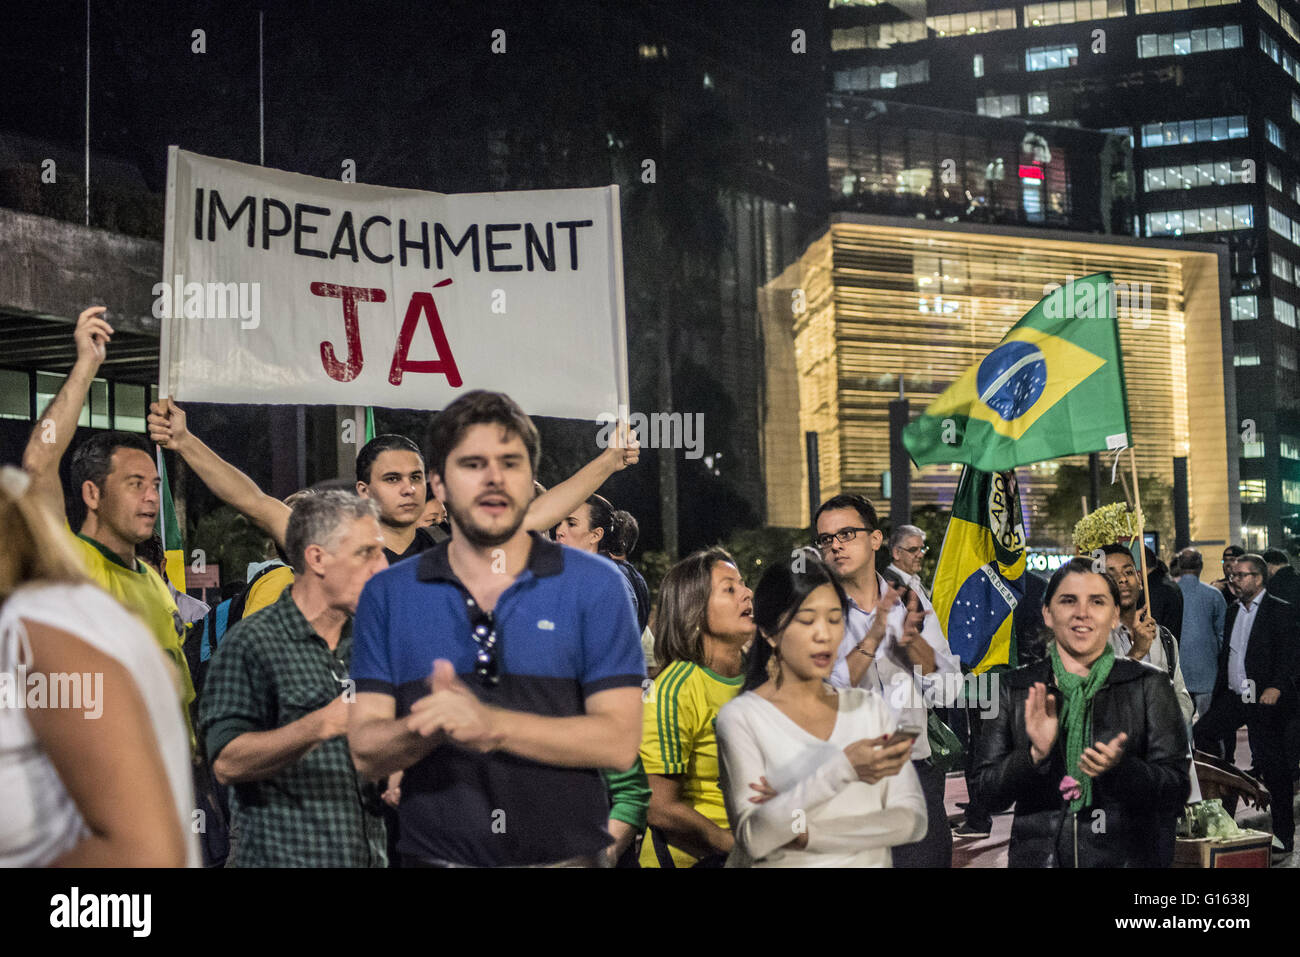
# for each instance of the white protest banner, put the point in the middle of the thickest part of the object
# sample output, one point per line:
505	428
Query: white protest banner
280	288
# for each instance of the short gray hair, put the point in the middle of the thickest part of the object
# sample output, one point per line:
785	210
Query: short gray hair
319	520
904	532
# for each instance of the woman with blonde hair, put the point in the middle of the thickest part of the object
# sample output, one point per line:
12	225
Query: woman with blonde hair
94	752
704	619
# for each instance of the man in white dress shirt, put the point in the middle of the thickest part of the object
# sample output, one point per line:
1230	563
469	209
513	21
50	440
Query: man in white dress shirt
909	674
907	548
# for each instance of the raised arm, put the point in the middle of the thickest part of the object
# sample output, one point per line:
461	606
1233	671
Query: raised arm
168	428
555	505
54	430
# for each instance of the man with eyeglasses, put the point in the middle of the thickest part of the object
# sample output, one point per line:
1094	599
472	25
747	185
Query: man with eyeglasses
907	548
275	705
908	672
535	658
1256	687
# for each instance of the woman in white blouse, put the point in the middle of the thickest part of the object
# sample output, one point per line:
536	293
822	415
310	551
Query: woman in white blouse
810	774
98	776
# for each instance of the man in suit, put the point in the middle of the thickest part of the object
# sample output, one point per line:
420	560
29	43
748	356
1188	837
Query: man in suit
1256	686
1283	582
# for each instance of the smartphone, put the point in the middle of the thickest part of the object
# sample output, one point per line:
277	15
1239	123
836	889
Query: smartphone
902	734
896	581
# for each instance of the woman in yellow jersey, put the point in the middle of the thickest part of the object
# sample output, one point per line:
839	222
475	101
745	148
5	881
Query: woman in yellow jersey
705	618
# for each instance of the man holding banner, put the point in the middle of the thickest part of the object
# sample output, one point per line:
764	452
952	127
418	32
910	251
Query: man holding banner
114	476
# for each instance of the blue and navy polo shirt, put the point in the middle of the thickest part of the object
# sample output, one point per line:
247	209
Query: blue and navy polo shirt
566	629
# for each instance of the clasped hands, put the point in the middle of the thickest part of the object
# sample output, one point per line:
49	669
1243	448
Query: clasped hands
456	711
1042	726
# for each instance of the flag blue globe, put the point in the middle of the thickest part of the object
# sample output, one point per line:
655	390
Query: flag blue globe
1011	378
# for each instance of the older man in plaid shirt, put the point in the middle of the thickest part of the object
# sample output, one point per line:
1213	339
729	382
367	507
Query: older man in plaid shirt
274	709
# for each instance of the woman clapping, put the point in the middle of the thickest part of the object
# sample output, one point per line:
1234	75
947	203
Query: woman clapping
1090	748
812	776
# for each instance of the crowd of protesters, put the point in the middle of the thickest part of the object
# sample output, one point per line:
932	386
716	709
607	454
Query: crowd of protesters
447	667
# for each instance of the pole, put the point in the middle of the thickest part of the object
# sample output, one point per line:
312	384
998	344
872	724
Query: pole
1137	505
87	112
1094	482
261	104
814	476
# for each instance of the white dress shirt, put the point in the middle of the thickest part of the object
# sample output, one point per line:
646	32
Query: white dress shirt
914	583
849	823
1237	647
1121	642
891	673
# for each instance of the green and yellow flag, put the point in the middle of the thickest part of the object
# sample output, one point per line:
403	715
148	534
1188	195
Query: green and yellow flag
1053	386
170	530
978	581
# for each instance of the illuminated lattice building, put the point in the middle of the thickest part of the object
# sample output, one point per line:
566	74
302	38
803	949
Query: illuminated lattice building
879	298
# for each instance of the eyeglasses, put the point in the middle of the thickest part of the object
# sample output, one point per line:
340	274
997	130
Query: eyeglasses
1240	576
483	629
915	550
843	535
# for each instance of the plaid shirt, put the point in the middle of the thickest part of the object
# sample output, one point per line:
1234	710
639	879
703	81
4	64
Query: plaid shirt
271	669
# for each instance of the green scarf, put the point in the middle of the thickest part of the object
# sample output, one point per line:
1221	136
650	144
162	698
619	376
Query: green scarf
1076	715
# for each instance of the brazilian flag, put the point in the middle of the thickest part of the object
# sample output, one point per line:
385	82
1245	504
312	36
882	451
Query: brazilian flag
169	530
1053	386
979	579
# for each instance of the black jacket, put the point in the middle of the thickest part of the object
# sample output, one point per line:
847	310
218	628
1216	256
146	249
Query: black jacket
1285	585
1271	650
1135	804
1166	600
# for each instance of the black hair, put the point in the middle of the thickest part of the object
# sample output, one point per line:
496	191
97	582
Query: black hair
1256	562
858	503
479	408
389	442
1233	551
780	592
600	514
93	459
151	551
626	532
1117	549
1079	566
1275	556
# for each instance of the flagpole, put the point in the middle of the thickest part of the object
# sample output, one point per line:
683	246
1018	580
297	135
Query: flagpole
1137	505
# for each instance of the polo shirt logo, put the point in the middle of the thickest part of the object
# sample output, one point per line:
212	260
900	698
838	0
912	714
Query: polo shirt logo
545	624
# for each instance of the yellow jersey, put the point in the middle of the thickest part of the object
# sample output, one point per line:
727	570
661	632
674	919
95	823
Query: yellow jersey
142	591
678	738
267	589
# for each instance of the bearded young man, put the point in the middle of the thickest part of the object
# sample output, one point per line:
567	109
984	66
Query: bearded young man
536	667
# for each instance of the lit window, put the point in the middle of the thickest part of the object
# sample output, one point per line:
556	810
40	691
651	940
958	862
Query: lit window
1244	307
1006	105
1255	449
977	64
1051	58
1289	446
15	395
1274	135
1290	492
1251	490
1274	177
1286	358
1038	103
1281	267
1285	313
1245	354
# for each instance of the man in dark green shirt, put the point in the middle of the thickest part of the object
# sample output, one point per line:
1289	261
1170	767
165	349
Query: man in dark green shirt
274	710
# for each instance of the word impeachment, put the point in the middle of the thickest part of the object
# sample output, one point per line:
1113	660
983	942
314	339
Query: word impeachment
501	247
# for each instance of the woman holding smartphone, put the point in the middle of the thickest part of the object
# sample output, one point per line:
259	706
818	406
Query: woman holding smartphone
813	776
1090	748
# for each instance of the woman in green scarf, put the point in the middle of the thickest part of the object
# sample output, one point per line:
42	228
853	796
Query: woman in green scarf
1091	749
